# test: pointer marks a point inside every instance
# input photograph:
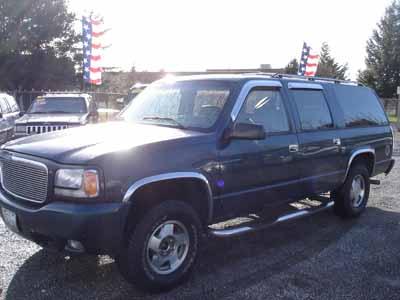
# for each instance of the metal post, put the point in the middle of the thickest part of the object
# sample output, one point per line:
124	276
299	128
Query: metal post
398	112
107	108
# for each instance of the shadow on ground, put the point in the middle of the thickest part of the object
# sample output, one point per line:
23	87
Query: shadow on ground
224	266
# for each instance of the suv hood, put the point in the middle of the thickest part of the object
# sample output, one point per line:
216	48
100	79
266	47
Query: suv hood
50	118
83	144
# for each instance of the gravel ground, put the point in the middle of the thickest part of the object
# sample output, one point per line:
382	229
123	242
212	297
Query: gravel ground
321	257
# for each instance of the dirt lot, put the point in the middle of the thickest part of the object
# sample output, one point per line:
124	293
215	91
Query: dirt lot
321	257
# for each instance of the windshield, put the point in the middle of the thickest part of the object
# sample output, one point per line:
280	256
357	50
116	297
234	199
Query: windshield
192	105
67	105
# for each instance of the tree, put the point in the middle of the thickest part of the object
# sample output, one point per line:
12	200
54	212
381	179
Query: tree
383	54
328	67
292	67
37	45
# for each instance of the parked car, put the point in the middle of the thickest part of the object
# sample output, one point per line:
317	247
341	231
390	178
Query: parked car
9	112
53	112
188	154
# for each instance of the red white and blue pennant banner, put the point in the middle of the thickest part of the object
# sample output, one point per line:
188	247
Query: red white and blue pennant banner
308	61
92	32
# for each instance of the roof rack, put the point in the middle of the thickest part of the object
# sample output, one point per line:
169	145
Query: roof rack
317	79
323	79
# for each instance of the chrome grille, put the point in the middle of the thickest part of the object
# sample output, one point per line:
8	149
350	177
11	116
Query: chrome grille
24	179
32	129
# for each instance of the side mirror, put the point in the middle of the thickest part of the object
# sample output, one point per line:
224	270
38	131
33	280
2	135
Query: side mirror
246	131
1	115
21	113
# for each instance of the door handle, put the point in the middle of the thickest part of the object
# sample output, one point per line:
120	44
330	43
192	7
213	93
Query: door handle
337	142
294	148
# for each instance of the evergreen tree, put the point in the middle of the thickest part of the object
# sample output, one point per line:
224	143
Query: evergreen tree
292	67
383	54
328	67
37	45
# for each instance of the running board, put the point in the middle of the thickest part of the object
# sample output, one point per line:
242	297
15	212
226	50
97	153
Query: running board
229	232
375	181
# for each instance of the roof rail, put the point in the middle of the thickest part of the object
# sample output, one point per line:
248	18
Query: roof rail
260	74
320	79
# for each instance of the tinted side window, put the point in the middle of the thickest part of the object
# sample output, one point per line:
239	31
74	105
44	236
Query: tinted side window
313	109
360	106
265	107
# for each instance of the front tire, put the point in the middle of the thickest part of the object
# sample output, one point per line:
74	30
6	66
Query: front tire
352	198
162	248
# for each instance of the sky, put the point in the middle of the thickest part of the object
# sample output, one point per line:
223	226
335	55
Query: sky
190	35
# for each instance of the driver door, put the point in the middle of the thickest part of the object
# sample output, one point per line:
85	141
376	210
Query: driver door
260	172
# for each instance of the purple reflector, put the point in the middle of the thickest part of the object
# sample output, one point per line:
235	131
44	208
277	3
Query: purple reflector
220	183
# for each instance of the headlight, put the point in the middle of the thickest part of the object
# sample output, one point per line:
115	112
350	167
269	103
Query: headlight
20	128
77	183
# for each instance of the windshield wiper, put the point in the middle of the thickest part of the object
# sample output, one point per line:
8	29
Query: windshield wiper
179	125
50	112
60	112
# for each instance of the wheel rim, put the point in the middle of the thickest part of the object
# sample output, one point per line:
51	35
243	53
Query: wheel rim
357	192
167	247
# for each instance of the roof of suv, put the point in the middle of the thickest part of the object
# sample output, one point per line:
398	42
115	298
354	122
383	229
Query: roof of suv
258	76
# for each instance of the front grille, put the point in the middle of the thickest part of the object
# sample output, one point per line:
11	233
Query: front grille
32	129
24	179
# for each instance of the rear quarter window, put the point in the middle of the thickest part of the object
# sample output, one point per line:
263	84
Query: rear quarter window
360	106
313	109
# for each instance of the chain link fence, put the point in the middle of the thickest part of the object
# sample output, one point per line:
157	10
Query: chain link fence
392	107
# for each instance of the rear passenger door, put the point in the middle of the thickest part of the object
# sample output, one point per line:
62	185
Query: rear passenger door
320	158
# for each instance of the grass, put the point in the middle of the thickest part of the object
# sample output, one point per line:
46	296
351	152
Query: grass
393	119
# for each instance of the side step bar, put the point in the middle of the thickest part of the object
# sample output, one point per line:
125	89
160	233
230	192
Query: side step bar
375	181
229	232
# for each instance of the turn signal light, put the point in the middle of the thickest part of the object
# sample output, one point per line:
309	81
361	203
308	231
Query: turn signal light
91	183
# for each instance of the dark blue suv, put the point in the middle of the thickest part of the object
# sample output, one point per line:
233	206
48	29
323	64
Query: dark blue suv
189	153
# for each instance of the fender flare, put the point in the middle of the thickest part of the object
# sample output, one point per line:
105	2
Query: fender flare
354	154
175	175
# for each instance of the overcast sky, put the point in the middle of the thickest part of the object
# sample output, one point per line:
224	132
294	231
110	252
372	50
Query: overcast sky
192	35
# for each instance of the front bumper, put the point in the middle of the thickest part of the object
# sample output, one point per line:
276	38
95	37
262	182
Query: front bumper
19	134
98	227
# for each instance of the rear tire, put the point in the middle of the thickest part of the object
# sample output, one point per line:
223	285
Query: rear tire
352	197
163	247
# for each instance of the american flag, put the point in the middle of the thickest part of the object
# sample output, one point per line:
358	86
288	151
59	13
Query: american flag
92	33
308	61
